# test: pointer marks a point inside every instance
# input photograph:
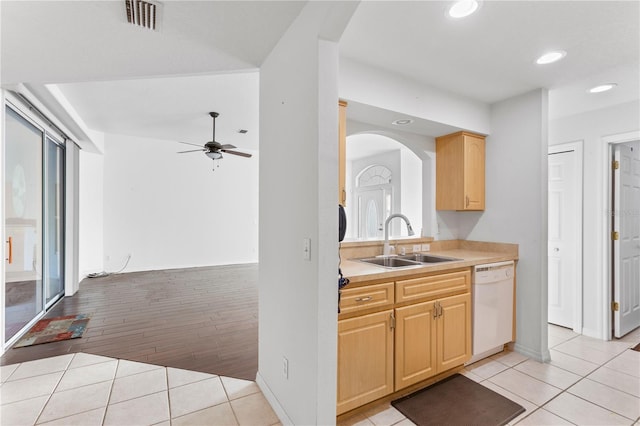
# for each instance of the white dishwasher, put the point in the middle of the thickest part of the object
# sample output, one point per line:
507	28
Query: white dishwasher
492	293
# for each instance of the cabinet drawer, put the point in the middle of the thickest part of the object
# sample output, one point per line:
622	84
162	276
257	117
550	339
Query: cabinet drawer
433	286
361	298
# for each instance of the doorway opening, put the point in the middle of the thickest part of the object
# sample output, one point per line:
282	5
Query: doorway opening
383	176
34	221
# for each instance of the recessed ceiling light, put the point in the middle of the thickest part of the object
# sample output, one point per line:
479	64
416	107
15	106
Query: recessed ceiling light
463	8
403	122
551	57
602	88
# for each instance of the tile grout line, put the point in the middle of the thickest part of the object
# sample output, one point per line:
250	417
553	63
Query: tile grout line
580	380
113	382
54	389
166	375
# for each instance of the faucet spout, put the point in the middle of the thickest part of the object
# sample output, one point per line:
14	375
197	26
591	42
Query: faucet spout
385	248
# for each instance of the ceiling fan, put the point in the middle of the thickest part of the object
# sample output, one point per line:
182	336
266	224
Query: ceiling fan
214	149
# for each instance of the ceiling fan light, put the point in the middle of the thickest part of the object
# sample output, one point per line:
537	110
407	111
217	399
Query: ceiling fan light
214	155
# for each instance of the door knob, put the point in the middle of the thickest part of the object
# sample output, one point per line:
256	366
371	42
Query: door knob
556	249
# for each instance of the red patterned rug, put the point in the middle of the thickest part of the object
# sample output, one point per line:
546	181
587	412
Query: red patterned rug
54	330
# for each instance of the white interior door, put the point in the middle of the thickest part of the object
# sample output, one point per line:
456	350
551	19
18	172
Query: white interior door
626	248
370	213
562	247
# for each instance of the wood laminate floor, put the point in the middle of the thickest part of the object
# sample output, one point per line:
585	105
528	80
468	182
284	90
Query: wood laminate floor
202	319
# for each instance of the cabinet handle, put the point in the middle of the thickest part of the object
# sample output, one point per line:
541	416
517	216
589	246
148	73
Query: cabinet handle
364	299
437	309
344	197
10	257
466	201
392	321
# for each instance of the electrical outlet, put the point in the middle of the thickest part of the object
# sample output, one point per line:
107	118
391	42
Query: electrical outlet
416	248
426	247
285	367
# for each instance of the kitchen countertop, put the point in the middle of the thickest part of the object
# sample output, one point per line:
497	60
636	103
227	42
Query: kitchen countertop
358	272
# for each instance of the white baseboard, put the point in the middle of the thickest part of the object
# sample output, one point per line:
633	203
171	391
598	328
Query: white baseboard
273	401
540	356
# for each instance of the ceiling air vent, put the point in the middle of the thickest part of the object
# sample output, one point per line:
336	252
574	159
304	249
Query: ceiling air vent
143	13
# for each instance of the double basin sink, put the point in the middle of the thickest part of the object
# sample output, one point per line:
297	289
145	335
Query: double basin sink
416	259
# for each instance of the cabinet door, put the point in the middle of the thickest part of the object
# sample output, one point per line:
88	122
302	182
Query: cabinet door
454	331
460	172
365	359
342	152
474	172
415	347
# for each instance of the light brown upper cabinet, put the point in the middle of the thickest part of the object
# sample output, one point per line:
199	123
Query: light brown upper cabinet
460	171
342	153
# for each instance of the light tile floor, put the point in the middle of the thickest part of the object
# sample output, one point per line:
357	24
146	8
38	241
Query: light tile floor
83	389
587	382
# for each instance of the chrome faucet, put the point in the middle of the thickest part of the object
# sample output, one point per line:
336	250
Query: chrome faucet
386	249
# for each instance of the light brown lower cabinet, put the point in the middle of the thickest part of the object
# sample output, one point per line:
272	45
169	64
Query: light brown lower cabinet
415	344
365	359
383	352
430	338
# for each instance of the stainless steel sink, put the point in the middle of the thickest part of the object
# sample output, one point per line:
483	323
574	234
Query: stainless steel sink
390	262
427	258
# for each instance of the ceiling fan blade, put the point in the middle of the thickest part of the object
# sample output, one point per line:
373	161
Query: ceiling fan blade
187	143
241	154
191	150
227	146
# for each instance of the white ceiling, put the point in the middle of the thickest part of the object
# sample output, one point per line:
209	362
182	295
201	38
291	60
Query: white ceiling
172	108
161	85
489	56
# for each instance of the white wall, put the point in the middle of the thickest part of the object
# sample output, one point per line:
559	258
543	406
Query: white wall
72	219
594	128
298	177
516	208
383	89
411	170
172	210
91	213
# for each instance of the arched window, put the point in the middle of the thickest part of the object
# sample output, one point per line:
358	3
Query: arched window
374	175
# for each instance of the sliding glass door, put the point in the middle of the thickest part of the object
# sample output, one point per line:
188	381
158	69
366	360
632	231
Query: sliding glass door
23	222
54	231
34	217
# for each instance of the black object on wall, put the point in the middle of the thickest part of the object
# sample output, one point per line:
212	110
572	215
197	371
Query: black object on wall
342	222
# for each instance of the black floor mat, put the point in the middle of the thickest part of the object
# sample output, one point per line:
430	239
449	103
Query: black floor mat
457	401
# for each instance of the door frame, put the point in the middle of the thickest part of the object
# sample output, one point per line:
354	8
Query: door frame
606	292
577	148
26	111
